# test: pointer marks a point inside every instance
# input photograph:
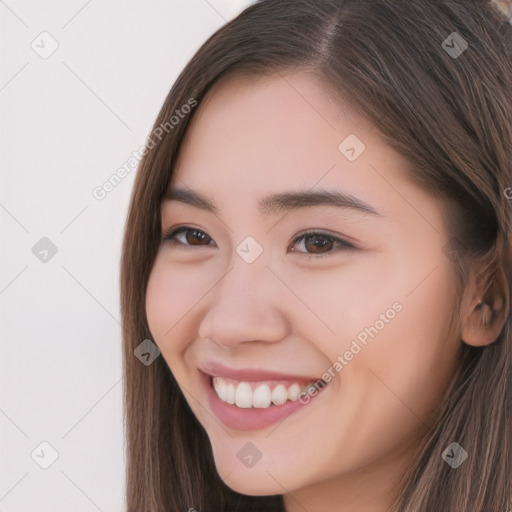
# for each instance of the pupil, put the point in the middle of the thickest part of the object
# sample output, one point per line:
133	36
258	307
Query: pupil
194	235
319	242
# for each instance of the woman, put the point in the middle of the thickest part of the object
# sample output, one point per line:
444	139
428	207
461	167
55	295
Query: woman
319	245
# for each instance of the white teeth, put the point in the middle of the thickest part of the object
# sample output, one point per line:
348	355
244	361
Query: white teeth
293	392
261	397
242	394
279	395
221	388
230	393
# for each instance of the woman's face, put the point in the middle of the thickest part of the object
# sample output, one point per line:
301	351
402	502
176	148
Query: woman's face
362	302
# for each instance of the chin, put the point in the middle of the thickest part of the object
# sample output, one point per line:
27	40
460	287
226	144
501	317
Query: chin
253	485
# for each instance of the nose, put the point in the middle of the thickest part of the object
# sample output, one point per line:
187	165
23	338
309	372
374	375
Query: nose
247	305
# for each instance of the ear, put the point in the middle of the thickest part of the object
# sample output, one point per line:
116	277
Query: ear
485	308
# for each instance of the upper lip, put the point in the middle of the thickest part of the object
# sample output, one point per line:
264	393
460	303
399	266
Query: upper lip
246	374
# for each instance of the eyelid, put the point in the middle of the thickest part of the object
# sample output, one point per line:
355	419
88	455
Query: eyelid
343	244
170	233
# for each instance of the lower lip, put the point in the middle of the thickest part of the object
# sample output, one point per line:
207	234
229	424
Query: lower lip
252	418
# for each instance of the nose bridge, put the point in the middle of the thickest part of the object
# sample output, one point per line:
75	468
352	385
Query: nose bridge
245	305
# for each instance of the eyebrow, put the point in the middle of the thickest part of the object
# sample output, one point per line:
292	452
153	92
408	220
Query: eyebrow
278	202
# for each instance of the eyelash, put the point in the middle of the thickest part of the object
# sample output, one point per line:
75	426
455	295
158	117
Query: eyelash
169	236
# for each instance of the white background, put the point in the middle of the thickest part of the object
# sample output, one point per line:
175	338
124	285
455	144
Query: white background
68	122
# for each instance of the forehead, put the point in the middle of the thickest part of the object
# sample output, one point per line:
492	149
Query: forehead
272	104
284	126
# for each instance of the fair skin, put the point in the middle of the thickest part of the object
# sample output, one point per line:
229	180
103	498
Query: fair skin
295	311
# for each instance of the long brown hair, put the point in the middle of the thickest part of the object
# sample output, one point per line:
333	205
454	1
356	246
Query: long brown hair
451	118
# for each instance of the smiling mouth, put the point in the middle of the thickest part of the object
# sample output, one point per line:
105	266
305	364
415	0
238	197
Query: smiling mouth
260	395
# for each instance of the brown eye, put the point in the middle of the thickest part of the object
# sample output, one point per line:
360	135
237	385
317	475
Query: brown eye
319	243
188	237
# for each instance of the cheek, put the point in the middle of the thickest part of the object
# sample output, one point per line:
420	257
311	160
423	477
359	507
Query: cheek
171	295
400	351
422	350
398	380
344	300
406	366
